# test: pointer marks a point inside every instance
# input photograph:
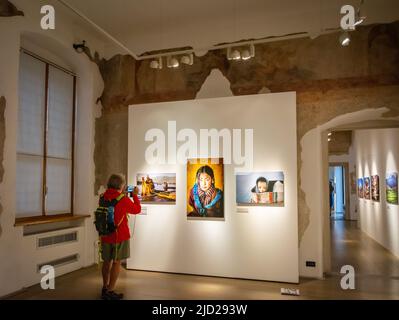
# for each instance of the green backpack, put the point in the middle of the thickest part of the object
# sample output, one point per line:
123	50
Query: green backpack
104	216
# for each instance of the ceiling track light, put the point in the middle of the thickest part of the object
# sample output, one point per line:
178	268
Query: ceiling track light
246	54
359	18
233	54
175	61
80	47
187	59
172	62
344	39
360	21
156	63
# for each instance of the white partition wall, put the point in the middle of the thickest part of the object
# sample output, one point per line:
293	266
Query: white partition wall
251	242
377	153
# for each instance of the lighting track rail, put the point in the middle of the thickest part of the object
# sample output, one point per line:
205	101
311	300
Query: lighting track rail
187	55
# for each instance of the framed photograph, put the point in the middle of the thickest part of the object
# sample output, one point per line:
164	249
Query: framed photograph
360	188
157	188
367	188
375	188
260	189
392	188
205	188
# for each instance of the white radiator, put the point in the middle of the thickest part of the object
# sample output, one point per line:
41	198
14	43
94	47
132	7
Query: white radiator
62	249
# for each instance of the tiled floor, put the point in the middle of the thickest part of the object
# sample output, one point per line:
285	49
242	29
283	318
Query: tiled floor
377	277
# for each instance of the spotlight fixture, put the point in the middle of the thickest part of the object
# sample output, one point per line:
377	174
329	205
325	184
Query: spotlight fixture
242	52
156	64
360	21
359	18
233	55
80	47
187	59
329	134
344	39
236	55
172	62
243	55
248	54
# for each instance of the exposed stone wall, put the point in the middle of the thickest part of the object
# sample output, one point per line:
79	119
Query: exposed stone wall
7	9
340	142
110	152
2	139
330	80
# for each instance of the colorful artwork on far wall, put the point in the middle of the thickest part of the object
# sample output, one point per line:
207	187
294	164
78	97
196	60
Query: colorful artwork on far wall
375	188
205	188
157	188
360	188
260	189
367	188
392	188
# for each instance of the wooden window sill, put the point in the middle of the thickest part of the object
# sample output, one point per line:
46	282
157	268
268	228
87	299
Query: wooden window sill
48	219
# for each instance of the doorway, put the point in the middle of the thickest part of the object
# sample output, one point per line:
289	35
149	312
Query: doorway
348	241
339	191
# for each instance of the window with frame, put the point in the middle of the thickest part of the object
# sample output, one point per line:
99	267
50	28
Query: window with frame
45	146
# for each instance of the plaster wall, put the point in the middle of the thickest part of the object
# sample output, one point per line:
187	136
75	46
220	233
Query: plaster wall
53	45
377	153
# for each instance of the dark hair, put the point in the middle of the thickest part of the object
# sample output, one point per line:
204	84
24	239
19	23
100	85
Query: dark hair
261	179
116	181
205	169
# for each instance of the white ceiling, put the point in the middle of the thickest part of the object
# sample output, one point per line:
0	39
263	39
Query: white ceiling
160	24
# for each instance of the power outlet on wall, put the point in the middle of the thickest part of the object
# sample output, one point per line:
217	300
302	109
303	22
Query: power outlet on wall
311	264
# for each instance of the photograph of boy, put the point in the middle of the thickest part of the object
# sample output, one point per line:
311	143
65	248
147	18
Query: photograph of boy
205	193
259	189
375	188
264	189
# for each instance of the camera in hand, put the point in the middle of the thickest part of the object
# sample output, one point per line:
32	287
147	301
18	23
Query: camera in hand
129	191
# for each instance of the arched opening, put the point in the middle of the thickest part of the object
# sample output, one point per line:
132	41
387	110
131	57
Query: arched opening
359	224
